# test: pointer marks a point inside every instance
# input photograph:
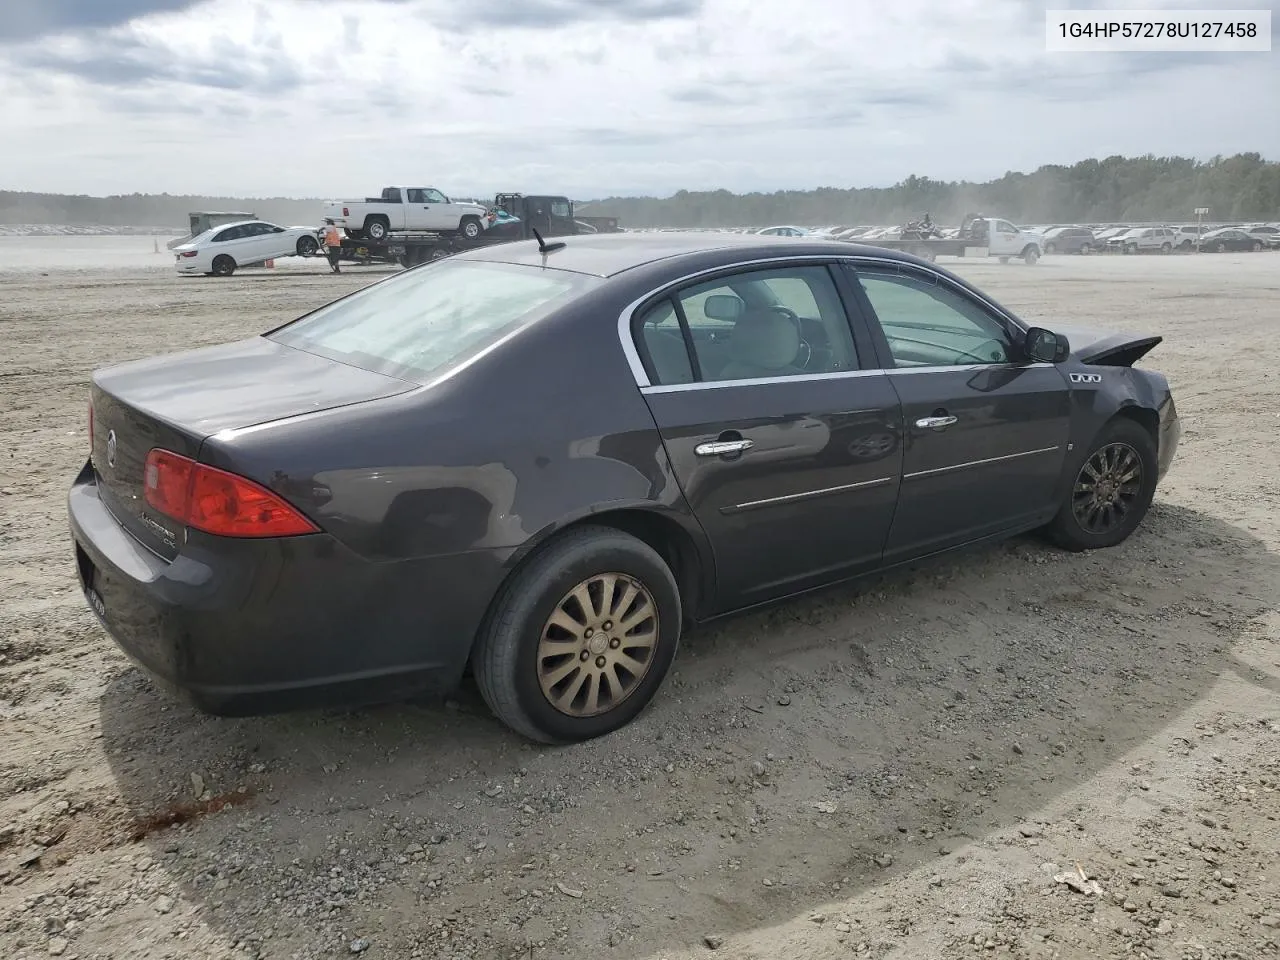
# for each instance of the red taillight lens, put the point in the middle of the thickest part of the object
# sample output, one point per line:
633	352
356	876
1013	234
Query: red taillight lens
216	501
189	253
346	212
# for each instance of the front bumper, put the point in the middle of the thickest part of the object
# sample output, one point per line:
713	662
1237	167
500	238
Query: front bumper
1170	434
243	627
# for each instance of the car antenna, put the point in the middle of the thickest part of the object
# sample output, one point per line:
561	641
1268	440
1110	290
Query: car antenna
543	246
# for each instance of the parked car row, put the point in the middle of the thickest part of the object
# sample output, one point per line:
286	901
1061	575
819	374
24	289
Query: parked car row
1082	239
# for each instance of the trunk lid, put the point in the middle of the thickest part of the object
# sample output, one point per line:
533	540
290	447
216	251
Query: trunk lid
177	401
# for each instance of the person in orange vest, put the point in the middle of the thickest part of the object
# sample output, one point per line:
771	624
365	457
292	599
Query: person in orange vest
332	244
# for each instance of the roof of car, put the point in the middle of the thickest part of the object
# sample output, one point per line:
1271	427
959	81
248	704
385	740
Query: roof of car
607	254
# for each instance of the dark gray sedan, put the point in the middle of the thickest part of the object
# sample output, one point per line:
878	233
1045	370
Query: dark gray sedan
542	463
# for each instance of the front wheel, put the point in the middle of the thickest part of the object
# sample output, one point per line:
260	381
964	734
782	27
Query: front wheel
471	228
1050	249
580	638
1030	256
1166	248
1257	245
1085	249
1111	491
307	246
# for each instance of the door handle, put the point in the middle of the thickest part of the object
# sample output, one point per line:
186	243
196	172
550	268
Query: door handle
719	448
933	423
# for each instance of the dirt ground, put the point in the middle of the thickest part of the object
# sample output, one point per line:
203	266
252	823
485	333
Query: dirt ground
910	768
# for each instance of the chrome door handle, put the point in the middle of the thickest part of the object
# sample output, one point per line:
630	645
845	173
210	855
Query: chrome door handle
720	447
931	423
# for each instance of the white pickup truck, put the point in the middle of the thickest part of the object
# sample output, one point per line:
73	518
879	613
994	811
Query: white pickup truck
405	210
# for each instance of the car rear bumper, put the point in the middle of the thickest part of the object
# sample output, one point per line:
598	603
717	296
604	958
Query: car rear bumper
244	627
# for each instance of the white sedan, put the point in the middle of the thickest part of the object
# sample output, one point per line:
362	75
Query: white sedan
221	250
783	231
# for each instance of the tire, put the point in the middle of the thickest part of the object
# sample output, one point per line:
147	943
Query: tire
1185	245
377	228
307	246
1119	435
506	658
470	227
1257	245
1166	248
1050	249
1221	247
1085	249
1030	256
223	265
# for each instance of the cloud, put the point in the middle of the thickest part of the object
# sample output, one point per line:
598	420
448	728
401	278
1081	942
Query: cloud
24	20
588	98
131	61
466	16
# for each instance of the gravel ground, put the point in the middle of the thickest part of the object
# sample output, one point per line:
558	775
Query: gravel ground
1011	752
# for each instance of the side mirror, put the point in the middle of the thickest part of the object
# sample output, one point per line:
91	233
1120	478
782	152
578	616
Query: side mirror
722	306
1045	346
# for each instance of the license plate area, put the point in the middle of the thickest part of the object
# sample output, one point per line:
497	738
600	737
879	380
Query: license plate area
88	581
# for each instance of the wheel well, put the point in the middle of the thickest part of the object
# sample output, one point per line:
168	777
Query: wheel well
671	541
1029	247
1149	420
382	217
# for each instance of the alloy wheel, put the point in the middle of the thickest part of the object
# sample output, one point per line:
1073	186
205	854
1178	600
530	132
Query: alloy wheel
1107	488
597	645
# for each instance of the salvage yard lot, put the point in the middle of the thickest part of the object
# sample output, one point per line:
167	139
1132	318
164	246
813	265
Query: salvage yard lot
898	768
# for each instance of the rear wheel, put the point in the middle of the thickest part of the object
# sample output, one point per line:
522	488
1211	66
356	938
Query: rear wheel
1166	248
1049	249
307	246
223	265
1257	245
1111	491
1086	249
580	638
377	228
1221	248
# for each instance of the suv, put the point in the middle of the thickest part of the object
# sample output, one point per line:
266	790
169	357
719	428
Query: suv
1069	240
1144	240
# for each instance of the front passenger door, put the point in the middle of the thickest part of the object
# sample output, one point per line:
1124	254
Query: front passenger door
985	432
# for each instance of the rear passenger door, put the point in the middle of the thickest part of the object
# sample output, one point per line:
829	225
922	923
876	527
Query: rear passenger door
784	443
985	432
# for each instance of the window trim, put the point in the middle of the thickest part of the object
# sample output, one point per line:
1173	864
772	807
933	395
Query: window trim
865	318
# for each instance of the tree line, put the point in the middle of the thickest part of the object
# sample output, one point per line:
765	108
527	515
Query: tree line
1142	189
1147	188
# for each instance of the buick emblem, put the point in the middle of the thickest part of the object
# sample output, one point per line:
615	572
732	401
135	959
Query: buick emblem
111	448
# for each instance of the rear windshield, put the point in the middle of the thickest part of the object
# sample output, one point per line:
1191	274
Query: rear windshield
418	324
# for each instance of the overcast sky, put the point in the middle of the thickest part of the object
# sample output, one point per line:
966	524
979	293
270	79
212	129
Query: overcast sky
336	98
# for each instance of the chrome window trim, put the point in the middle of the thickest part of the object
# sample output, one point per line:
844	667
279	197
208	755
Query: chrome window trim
977	463
805	495
760	381
642	378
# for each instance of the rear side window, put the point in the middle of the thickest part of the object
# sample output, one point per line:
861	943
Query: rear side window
418	324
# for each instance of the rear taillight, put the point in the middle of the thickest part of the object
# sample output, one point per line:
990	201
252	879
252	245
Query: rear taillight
216	501
346	212
189	253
